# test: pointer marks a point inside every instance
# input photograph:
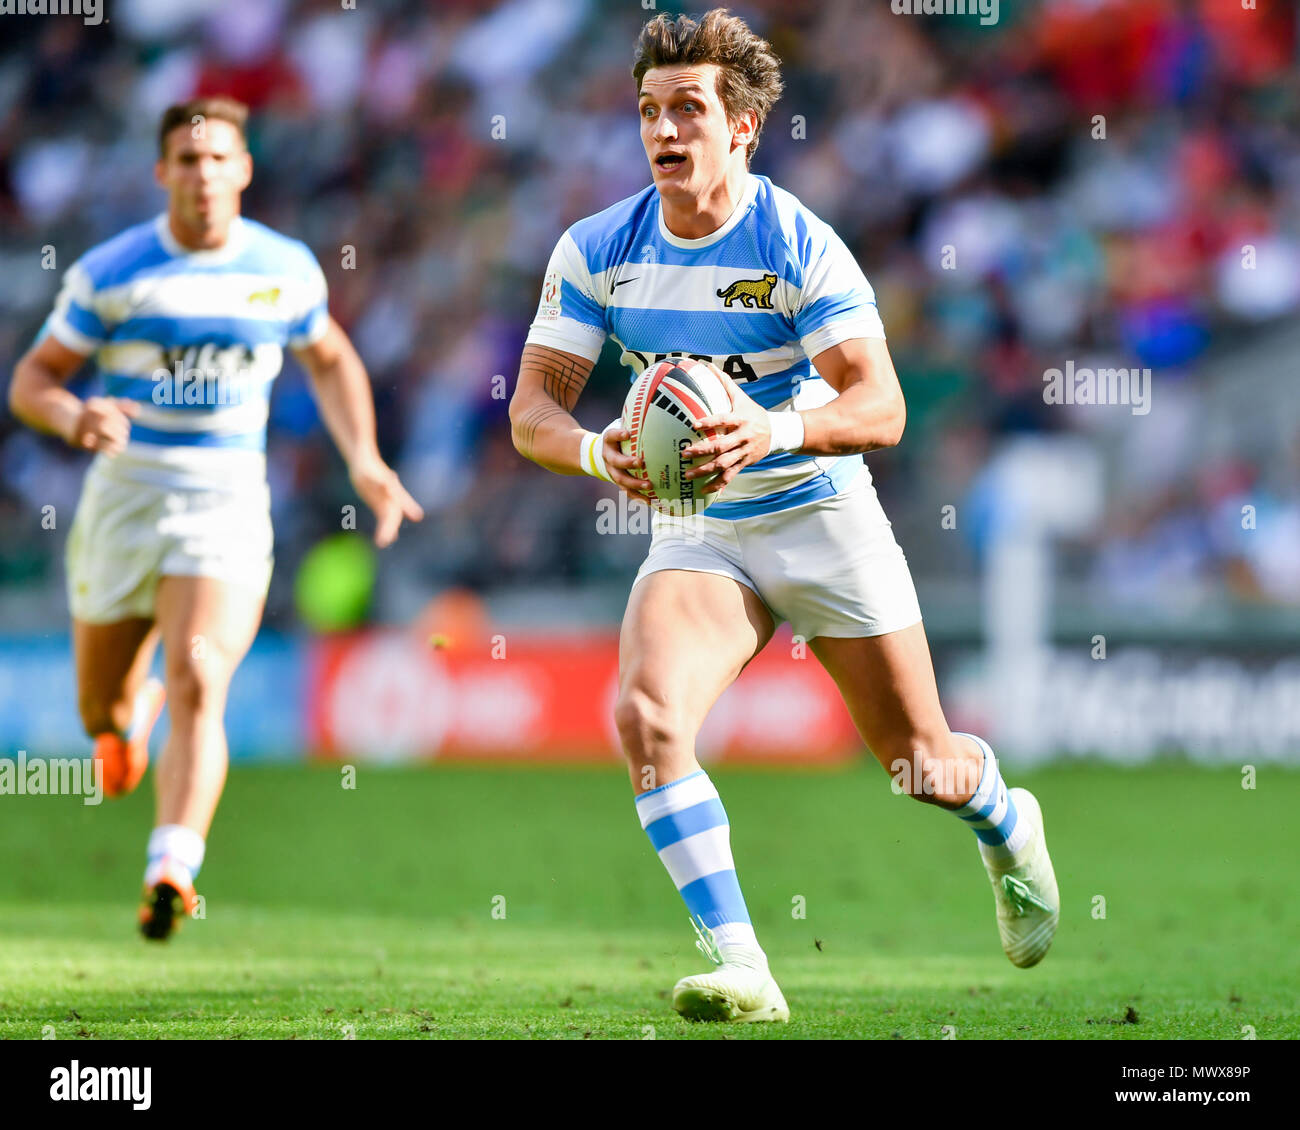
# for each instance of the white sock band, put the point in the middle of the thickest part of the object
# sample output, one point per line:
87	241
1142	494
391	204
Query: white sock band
175	841
141	709
990	811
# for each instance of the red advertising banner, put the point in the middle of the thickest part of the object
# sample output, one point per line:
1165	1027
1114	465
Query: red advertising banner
392	696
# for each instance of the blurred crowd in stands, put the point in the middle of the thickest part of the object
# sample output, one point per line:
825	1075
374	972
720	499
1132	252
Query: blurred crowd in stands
1112	182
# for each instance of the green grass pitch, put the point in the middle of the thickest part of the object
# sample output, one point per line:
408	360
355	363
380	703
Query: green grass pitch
369	913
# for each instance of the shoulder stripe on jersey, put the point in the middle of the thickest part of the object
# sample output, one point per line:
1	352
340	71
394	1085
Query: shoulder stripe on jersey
84	321
609	237
124	257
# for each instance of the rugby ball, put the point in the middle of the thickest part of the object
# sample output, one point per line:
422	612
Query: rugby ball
662	412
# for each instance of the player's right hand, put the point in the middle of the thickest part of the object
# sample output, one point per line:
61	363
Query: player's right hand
104	424
618	465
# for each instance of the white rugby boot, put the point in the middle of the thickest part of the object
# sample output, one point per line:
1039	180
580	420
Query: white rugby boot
735	991
1024	889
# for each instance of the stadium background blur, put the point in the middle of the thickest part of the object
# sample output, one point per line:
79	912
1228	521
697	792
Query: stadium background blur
449	145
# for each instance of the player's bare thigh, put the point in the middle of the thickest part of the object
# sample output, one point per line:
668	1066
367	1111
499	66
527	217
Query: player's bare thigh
207	627
888	685
686	636
112	661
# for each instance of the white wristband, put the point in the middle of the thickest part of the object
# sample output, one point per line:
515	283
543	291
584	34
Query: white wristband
787	431
592	453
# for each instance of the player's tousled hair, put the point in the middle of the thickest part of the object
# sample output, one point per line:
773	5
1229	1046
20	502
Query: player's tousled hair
749	73
221	108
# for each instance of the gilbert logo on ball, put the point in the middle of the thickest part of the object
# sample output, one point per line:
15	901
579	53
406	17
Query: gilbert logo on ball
662	412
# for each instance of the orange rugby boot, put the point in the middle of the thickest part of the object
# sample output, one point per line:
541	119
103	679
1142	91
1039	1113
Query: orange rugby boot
125	759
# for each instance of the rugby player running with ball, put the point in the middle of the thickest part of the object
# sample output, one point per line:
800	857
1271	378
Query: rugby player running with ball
798	536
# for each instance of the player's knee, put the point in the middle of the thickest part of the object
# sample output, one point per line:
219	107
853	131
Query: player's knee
648	729
193	687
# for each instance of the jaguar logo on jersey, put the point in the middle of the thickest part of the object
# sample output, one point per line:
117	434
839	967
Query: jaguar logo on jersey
268	297
752	293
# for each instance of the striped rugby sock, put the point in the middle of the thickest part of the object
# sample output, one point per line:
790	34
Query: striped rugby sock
688	827
991	811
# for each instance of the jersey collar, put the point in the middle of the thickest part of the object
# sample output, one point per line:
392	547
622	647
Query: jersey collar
234	244
737	214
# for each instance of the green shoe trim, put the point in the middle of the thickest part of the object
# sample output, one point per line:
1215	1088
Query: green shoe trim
1022	898
704	941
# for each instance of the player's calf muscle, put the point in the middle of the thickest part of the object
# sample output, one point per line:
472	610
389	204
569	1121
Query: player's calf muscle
102	714
112	661
888	685
936	769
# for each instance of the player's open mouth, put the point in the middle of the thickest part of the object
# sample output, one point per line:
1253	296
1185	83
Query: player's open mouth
669	162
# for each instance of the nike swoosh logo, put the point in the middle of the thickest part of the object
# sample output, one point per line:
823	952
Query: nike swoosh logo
623	282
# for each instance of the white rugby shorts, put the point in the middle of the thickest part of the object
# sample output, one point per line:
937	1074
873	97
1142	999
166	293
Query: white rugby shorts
128	533
830	568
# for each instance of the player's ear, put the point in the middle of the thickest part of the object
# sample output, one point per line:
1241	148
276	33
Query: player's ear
246	176
744	128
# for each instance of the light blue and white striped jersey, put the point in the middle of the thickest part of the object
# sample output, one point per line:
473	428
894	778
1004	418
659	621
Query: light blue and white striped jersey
196	338
760	297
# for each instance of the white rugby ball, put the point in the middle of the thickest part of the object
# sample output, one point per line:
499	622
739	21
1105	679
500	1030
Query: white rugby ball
662	411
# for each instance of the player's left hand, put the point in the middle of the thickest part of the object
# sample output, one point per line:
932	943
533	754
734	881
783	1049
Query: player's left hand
380	489
744	437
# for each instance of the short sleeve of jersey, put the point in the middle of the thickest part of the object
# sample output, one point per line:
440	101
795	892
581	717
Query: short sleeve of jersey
836	303
77	319
313	319
569	316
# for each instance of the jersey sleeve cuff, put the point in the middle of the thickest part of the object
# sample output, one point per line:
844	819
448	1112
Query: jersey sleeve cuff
317	330
588	346
59	329
843	330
